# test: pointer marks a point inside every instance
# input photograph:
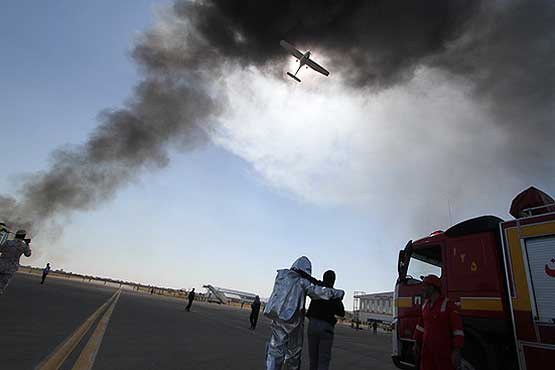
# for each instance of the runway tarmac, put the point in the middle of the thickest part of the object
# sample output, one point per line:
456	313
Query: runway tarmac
73	325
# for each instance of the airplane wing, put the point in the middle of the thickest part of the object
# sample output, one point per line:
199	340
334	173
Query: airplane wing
318	68
290	48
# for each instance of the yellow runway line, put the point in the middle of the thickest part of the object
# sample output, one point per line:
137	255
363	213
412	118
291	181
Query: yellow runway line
60	354
88	355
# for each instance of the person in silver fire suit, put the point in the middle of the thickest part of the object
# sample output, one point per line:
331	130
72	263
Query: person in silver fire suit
10	252
285	308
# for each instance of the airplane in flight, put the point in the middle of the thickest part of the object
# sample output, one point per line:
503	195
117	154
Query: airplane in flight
303	59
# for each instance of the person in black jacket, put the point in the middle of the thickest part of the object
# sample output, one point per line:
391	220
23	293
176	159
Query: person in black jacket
191	299
255	309
322	314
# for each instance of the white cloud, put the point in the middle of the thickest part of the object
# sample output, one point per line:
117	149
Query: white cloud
412	146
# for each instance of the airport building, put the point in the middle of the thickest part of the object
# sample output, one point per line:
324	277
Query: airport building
373	307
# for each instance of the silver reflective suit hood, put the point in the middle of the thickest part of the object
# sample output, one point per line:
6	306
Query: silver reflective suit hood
286	309
302	263
289	294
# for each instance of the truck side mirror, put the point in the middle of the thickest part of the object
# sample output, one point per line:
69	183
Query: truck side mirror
402	266
403	261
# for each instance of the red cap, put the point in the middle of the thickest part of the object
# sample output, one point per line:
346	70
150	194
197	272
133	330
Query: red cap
432	280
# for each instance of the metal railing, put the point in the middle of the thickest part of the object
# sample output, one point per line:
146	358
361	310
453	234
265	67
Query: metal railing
527	212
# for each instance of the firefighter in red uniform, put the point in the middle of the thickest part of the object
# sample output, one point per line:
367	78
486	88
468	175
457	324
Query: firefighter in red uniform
439	334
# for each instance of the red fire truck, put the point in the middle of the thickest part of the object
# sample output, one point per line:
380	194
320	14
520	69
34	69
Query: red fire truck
501	274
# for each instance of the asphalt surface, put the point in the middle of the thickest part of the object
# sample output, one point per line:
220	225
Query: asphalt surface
149	331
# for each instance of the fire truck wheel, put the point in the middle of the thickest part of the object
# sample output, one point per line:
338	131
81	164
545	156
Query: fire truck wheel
465	365
473	357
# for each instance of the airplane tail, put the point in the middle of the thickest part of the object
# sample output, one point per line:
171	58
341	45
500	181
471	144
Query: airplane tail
293	76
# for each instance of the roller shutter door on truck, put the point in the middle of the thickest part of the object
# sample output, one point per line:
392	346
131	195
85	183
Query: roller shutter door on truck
541	264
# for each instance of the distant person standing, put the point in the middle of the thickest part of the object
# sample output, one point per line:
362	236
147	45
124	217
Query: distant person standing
10	252
255	309
191	299
321	314
375	327
45	273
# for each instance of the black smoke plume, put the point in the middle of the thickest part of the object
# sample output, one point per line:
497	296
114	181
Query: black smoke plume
504	49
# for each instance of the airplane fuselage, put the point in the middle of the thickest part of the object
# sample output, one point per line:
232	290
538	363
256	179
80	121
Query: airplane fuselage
305	57
303	61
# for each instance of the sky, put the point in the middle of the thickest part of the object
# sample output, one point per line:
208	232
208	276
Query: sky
340	174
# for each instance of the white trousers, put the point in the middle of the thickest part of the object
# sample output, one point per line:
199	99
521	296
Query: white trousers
285	347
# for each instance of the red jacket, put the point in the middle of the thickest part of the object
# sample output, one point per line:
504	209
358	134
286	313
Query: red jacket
439	331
